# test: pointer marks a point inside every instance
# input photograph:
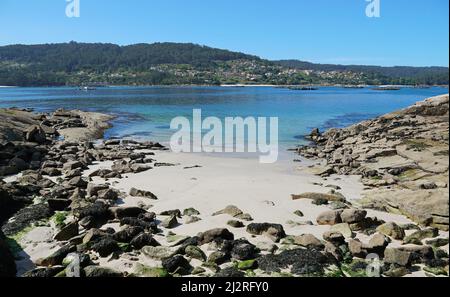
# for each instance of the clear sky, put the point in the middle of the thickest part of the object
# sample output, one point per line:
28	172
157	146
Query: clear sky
408	32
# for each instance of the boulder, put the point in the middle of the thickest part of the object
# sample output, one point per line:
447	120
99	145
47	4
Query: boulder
229	210
330	217
420	235
397	256
100	272
210	235
353	215
36	134
274	231
67	232
170	222
142	240
308	240
158	252
243	250
391	229
177	264
105	247
344	229
194	252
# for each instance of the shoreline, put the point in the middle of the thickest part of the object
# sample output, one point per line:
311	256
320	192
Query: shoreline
191	197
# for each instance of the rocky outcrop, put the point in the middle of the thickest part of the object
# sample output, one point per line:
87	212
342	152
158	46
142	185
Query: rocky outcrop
402	158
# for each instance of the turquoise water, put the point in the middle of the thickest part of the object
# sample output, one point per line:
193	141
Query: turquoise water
146	112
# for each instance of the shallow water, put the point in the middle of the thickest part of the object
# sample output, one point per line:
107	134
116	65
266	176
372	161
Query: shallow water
146	112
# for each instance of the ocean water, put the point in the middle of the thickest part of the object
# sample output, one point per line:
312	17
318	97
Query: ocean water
146	112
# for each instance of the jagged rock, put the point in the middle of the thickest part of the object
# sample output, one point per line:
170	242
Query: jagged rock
273	231
330	217
218	257
356	248
57	257
170	222
391	229
35	134
377	243
108	194
67	232
127	234
437	242
334	237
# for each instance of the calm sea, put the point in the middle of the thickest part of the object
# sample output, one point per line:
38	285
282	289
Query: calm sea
146	112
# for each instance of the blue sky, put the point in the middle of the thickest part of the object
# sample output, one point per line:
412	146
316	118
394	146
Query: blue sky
409	32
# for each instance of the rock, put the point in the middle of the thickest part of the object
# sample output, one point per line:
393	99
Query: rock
93	189
330	217
98	211
97	271
437	242
320	201
142	240
297	261
123	212
308	240
191	212
67	232
420	235
36	134
108	194
176	263
57	257
315	196
397	272
344	229
266	246
334	237
210	235
147	226
170	223
273	231
218	257
78	182
356	248
392	229
235	224
198	270
299	213
378	243
230	272
158	252
397	256
141	193
195	252
146	271
192	219
353	215
243	250
127	234
419	254
105	247
230	210
173	212
336	205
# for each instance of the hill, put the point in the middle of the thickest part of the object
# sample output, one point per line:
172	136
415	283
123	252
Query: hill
182	63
